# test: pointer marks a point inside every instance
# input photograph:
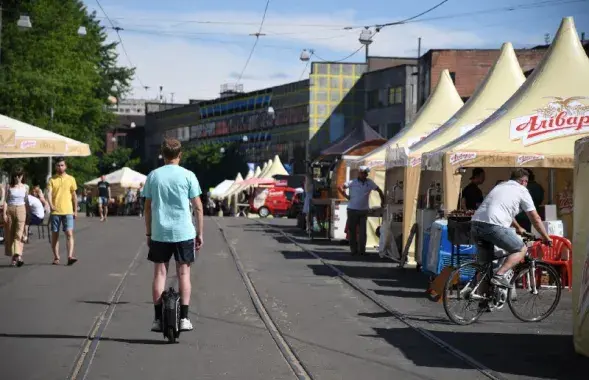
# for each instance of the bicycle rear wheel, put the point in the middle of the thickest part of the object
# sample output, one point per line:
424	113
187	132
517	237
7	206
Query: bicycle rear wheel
547	282
459	287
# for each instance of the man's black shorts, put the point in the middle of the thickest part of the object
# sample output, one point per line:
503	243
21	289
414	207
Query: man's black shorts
161	252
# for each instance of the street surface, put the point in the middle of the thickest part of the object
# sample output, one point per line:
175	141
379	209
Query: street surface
50	311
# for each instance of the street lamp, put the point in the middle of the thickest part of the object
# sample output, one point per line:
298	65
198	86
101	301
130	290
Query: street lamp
133	125
366	39
82	31
160	157
306	55
222	150
244	139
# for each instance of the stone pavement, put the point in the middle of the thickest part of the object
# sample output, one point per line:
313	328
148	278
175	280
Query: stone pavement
49	312
498	340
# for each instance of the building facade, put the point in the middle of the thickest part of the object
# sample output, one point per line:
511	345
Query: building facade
467	68
390	98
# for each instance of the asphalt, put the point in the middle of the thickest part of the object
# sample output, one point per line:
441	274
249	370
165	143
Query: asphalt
50	311
513	349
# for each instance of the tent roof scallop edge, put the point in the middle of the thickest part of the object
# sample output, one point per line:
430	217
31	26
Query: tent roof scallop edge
538	125
439	107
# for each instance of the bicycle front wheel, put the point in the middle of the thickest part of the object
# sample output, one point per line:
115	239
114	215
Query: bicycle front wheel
458	288
546	281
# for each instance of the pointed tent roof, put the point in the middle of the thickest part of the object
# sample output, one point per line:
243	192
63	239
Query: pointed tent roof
264	171
539	124
275	168
362	132
502	81
439	107
241	187
257	172
261	170
124	177
234	185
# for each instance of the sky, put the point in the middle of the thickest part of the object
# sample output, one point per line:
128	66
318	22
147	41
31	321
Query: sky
192	47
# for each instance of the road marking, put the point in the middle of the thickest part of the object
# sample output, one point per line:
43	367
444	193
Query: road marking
287	352
386	307
101	322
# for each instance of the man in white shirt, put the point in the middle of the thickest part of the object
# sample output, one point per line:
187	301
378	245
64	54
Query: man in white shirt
358	207
494	218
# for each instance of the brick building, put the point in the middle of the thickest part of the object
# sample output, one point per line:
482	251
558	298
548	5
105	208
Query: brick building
467	67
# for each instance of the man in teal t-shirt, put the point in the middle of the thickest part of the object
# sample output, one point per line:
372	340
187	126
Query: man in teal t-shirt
168	193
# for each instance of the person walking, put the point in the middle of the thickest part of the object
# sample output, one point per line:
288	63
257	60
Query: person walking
16	207
358	207
169	191
63	203
103	198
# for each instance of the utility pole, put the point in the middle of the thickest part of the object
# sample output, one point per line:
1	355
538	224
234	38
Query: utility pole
172	97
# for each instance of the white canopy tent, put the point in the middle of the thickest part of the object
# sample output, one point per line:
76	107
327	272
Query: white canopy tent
22	140
236	183
221	188
119	180
240	187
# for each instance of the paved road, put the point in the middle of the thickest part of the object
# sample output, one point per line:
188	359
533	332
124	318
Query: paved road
50	311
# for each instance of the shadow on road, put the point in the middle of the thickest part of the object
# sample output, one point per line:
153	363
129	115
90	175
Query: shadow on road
505	353
102	339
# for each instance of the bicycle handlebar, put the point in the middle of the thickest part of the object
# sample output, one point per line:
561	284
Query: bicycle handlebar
527	237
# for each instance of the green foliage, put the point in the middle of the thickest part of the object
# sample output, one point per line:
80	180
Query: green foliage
211	166
118	158
51	67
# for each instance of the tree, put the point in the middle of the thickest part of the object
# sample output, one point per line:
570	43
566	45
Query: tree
51	67
118	158
211	166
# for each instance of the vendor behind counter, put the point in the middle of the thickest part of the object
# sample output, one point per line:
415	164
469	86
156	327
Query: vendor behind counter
537	192
472	195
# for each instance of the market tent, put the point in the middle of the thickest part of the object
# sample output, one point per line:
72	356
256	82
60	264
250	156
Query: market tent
404	163
21	140
241	187
361	133
275	168
221	188
119	180
234	185
264	171
536	127
581	257
257	172
439	107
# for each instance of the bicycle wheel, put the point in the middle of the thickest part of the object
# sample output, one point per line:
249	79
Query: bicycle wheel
547	281
171	335
453	287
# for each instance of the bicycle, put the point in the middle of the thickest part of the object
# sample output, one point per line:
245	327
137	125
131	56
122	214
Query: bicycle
529	276
171	314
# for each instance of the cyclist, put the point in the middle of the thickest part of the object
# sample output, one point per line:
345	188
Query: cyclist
492	221
168	192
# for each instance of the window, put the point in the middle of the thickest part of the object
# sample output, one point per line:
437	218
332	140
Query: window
372	99
453	76
395	95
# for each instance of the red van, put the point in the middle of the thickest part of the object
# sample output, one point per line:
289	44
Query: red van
274	200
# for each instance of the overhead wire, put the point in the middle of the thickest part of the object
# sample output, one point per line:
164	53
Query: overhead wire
117	29
257	35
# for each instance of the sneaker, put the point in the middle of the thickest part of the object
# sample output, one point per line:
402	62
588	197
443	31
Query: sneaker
185	324
156	326
501	280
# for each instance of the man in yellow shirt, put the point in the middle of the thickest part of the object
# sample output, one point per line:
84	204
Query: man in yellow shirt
63	203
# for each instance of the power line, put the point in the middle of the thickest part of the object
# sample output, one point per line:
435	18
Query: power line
342	59
257	35
117	30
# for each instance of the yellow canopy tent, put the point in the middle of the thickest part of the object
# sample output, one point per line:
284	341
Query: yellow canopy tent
236	190
264	171
439	107
275	167
536	127
581	256
257	172
502	80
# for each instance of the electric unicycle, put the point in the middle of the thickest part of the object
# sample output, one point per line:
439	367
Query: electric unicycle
171	314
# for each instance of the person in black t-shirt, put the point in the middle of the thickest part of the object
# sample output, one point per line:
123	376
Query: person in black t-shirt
537	193
103	198
472	196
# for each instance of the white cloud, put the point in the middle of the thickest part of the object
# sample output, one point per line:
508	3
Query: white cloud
193	59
